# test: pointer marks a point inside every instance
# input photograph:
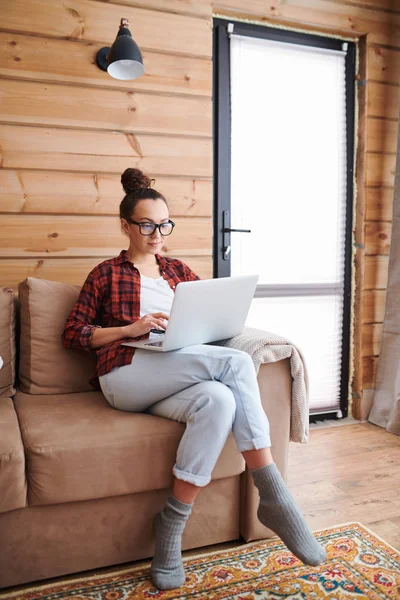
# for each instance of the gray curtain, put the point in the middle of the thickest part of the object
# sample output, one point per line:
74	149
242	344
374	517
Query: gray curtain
385	410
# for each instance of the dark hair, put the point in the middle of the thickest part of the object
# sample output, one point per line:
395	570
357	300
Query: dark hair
137	186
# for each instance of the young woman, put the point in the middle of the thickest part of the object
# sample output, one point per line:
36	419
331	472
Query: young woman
210	388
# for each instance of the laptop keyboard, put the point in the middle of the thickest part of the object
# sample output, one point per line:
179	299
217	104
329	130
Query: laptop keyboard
154	344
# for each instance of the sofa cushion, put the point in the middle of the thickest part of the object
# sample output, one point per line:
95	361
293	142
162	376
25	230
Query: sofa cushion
12	459
7	342
79	448
46	367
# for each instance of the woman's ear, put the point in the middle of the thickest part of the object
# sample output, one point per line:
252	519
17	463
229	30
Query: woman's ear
124	227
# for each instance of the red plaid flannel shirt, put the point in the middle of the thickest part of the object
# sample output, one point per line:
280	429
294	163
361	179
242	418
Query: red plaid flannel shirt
110	297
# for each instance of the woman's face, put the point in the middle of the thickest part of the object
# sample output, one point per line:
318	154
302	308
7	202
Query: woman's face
146	211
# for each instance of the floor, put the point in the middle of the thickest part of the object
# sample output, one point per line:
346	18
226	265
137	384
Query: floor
349	473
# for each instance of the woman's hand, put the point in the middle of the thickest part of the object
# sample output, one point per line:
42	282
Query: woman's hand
102	336
143	325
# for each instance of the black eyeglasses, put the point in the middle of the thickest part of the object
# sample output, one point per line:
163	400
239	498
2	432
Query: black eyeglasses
149	228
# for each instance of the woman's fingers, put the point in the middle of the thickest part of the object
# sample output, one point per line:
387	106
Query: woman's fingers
155	324
161	315
160	324
154	321
159	318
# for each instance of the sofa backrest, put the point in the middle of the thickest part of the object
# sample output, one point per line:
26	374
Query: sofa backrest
7	341
45	366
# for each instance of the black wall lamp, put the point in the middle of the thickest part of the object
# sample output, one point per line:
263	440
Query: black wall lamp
124	59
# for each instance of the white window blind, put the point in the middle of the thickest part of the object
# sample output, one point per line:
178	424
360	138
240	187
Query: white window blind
288	186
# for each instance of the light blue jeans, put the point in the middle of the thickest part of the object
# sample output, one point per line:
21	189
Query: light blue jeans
212	389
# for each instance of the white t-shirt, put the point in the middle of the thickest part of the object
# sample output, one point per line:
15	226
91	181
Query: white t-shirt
155	295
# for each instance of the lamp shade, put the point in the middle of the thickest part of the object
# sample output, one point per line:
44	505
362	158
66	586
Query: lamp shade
124	59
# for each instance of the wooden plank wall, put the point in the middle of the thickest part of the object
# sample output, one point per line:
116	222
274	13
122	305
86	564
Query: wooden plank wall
67	131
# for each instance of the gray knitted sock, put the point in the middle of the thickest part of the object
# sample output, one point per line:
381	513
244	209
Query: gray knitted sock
167	570
279	512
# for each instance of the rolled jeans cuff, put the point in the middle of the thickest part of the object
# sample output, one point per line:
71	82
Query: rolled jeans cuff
254	444
198	480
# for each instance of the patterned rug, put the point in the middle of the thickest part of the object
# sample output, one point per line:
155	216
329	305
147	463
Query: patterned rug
359	565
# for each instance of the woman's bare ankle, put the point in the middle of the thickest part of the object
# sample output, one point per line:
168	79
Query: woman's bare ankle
258	458
184	491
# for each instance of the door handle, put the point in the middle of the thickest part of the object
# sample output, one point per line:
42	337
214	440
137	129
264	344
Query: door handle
226	231
227	252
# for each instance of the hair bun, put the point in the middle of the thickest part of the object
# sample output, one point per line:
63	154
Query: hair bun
134	179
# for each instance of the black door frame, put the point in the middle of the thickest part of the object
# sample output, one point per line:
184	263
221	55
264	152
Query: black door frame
222	156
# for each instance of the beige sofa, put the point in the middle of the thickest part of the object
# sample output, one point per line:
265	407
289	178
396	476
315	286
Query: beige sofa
80	482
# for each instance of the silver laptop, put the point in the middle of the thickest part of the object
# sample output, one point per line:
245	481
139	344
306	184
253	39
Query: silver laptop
204	311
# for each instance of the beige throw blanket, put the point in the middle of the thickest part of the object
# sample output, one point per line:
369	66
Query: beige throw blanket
266	347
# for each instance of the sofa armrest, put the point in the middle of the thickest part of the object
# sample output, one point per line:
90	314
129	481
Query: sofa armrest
275	383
